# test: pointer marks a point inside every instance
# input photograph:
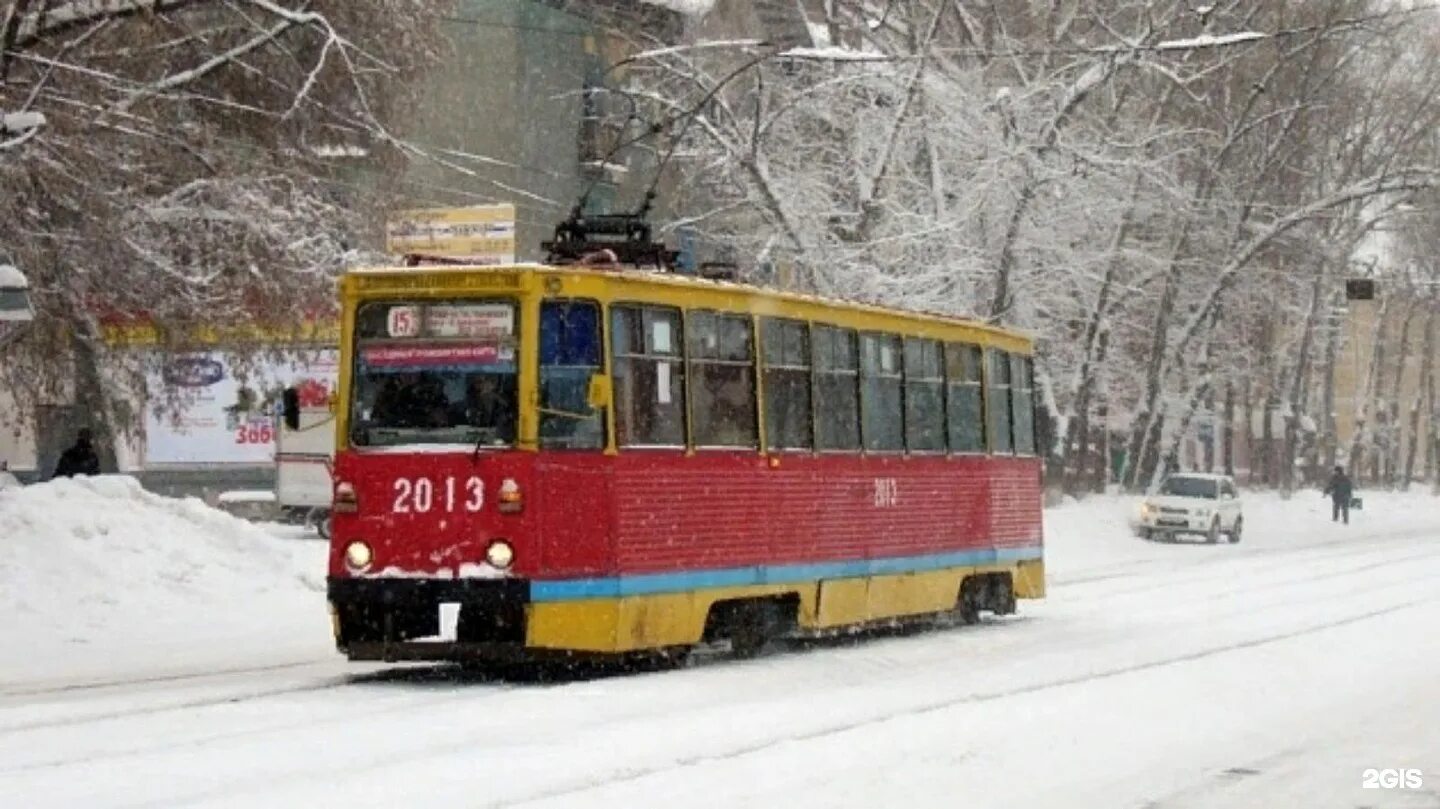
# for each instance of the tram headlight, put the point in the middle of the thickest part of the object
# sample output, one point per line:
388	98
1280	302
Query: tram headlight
500	554
358	555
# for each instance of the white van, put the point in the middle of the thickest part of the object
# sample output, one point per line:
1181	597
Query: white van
304	454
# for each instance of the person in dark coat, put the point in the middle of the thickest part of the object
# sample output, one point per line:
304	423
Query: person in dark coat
79	459
1340	490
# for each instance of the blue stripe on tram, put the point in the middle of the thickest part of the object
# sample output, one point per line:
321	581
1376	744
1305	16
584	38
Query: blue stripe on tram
680	581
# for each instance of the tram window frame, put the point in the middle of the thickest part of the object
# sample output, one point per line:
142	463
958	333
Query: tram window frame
788	369
881	379
999	421
926	357
1022	404
600	414
835	370
709	352
622	361
965	383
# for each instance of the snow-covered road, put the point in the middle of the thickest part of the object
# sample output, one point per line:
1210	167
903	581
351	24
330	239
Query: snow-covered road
1266	674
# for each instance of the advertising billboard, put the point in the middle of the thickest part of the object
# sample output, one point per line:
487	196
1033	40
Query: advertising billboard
223	413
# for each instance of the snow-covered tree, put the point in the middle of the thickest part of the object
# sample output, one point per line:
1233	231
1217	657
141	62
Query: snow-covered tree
189	162
1140	183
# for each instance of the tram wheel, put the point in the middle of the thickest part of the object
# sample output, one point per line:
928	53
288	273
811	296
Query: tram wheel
748	632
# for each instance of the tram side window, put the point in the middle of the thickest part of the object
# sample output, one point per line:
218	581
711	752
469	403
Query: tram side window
965	404
882	419
1022	399
649	376
785	347
722	380
570	350
998	404
837	402
924	397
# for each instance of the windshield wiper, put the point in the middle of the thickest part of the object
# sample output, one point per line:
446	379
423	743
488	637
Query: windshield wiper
487	438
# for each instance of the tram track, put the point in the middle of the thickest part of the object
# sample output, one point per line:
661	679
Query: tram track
703	657
1201	571
759	747
1085	635
427	702
1032	645
41	688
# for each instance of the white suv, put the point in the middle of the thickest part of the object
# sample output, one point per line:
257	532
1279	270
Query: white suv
1192	503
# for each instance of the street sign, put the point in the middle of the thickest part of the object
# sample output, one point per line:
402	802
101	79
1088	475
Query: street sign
479	234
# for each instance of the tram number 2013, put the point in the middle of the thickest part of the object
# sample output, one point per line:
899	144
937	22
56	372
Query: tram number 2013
421	495
887	493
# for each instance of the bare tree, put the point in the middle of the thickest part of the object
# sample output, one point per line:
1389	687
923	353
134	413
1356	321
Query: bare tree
200	163
1146	185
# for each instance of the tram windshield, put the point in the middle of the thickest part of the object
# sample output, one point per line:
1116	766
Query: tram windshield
435	373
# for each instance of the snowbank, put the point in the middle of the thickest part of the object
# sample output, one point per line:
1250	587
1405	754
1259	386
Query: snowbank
98	573
101	580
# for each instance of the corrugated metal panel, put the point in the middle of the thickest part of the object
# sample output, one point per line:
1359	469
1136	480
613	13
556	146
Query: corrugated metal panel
728	510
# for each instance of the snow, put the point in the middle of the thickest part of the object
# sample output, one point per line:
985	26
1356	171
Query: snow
340	150
692	8
1209	41
97	572
835	53
21	122
467	570
1265	674
256	496
819	34
12	278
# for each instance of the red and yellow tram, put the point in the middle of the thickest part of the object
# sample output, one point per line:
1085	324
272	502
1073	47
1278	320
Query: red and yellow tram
561	459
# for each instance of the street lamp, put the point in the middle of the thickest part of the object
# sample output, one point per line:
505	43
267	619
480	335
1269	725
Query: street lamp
15	308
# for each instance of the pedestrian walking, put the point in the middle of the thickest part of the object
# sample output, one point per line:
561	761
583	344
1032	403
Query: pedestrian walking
1341	490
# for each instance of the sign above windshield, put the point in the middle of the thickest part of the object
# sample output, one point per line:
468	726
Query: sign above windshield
434	356
471	320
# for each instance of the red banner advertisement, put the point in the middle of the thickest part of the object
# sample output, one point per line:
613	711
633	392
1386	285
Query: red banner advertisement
431	355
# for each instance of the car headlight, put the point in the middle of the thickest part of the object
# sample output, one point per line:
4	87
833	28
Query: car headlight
500	554
358	555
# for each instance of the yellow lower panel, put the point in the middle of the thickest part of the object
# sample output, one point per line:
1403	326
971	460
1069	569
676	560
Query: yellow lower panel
913	593
842	602
590	625
678	619
1030	579
643	622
